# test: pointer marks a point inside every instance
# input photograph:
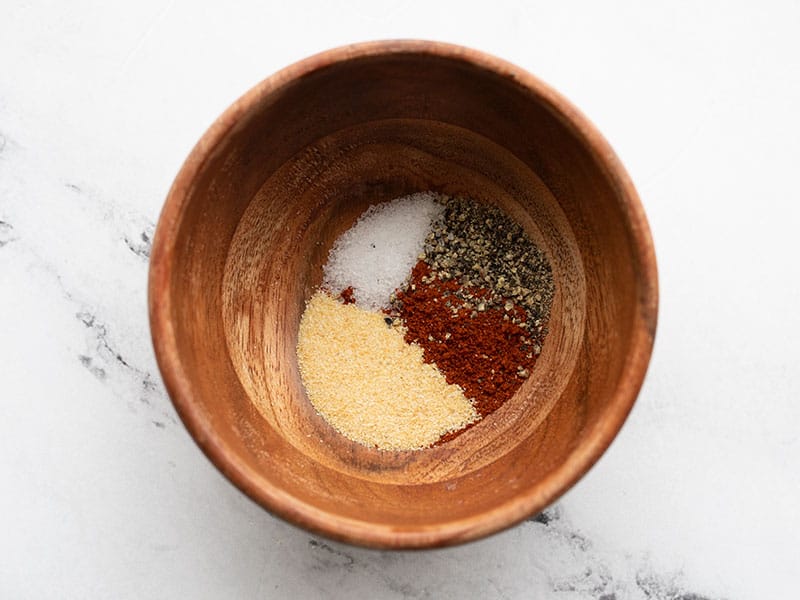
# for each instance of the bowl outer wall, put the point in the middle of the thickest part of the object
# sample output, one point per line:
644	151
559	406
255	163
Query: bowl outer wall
287	506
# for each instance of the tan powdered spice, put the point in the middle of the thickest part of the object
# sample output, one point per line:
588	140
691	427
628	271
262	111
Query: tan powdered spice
371	385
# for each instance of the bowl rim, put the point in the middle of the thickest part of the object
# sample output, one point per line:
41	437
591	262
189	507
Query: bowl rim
291	508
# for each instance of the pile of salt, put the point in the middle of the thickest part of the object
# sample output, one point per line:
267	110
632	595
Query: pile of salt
376	255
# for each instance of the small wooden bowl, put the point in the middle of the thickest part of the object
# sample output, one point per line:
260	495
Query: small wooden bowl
247	226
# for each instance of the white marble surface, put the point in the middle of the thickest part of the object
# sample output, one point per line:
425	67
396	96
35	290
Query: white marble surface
104	495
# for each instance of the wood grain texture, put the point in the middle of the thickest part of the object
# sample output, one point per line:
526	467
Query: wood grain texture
247	226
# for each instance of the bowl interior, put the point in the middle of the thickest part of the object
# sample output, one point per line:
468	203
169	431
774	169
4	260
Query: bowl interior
290	167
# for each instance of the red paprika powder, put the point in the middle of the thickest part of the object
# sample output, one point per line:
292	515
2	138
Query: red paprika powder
482	351
347	295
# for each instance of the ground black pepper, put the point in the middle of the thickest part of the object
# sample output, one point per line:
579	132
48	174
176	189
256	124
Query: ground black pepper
481	247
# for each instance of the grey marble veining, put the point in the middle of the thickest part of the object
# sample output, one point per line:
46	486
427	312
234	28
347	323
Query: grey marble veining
105	494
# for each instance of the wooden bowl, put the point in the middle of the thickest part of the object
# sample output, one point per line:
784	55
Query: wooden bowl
247	226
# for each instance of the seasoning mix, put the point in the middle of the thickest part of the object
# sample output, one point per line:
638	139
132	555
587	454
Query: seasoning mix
432	313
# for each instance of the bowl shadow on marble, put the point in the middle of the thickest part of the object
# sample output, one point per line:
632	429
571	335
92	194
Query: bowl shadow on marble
246	228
